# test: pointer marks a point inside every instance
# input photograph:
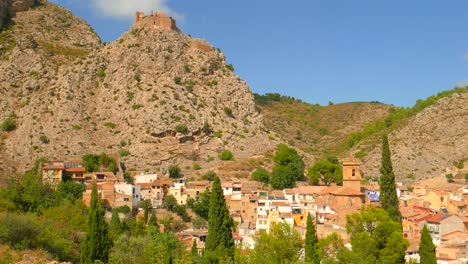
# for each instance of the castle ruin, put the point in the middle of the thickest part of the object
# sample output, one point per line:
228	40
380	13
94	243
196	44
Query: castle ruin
155	20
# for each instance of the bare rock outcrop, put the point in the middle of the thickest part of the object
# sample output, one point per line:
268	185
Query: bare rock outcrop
152	92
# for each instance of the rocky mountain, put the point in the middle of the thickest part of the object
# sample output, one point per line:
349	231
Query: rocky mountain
425	139
424	145
155	95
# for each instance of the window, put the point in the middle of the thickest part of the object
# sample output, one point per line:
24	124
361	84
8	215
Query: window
354	172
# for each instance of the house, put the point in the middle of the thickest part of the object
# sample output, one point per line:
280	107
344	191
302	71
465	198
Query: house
145	178
442	224
127	194
57	171
105	192
155	191
193	189
307	196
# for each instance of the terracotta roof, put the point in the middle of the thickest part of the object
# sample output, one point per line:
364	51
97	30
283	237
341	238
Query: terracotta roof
329	189
52	167
346	191
291	191
277	193
438	218
280	203
226	184
78	169
311	189
455	234
161	183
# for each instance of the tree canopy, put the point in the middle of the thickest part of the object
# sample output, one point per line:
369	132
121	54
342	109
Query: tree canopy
288	168
375	238
282	245
326	172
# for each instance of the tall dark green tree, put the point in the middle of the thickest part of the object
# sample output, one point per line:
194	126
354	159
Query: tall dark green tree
115	224
427	248
311	242
219	242
388	195
97	243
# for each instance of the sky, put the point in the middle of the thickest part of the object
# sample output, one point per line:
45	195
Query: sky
394	51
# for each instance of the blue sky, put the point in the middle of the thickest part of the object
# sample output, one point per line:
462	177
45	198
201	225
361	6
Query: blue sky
362	50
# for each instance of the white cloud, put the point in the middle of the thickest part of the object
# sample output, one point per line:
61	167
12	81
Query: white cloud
126	8
466	57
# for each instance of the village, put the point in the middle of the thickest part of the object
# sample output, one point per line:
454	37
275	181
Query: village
253	209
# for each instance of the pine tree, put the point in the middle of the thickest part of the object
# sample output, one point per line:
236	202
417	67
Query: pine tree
219	241
311	242
97	243
388	195
427	248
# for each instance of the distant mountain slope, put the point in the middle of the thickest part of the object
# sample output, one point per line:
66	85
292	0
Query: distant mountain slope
424	139
426	144
317	129
160	95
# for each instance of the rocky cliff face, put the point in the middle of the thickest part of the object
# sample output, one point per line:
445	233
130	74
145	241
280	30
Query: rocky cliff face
151	92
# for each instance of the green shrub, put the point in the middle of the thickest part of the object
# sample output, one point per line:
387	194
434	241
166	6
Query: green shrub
182	128
8	125
230	67
206	128
177	80
110	125
101	73
228	111
210	175
449	177
44	139
123	152
186	68
174	171
226	155
137	77
261	175
76	127
137	106
196	166
218	134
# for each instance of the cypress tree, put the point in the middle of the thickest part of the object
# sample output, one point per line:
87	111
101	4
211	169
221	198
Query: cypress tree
311	242
194	248
97	243
146	207
388	196
427	248
152	220
219	241
116	225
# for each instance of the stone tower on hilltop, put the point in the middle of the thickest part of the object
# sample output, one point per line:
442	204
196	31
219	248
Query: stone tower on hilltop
352	174
155	20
